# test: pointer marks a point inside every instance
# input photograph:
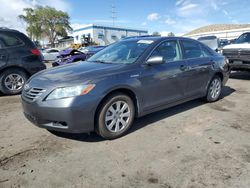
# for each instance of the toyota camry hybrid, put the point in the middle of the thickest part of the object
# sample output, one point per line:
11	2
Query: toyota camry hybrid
127	79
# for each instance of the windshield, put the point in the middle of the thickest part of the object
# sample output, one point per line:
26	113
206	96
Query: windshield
244	38
124	52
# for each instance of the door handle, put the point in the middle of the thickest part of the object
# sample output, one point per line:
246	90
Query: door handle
183	67
2	56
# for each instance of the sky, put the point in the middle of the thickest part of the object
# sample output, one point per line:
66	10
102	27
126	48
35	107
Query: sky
164	16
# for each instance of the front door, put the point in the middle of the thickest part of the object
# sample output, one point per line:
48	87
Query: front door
164	83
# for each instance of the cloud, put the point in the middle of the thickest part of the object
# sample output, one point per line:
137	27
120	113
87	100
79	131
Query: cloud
78	25
225	12
153	17
58	4
214	5
187	8
179	2
11	9
169	21
164	33
144	23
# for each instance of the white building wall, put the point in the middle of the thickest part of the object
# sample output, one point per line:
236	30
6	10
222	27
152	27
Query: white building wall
227	34
78	35
105	36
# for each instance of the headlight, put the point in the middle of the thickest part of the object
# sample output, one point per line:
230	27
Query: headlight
66	92
220	51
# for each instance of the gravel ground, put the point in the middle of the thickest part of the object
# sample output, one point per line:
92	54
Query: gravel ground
192	145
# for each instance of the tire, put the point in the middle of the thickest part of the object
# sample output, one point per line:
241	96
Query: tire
12	81
111	122
214	89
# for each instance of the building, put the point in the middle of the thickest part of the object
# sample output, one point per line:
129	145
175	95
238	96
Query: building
222	31
104	35
64	42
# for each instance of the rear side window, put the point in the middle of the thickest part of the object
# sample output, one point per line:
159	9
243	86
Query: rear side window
9	41
192	50
206	52
169	50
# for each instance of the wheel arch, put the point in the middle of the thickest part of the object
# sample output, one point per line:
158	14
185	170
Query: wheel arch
220	75
15	67
122	90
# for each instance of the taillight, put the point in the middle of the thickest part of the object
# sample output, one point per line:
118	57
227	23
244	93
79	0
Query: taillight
35	52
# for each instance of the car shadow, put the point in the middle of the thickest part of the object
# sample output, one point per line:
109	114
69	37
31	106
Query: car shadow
148	119
240	75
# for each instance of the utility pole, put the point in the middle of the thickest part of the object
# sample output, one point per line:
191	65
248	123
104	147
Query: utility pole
113	13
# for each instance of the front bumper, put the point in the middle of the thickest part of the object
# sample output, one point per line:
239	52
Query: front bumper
243	66
72	115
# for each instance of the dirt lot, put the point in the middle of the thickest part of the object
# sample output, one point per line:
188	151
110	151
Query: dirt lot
191	145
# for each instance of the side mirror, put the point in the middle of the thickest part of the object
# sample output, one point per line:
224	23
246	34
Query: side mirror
155	60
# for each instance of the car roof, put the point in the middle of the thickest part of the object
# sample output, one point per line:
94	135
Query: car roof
7	29
207	38
155	38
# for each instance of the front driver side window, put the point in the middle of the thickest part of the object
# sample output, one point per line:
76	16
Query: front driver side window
169	50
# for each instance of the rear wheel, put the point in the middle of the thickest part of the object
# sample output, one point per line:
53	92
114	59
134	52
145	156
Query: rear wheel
12	81
115	116
214	89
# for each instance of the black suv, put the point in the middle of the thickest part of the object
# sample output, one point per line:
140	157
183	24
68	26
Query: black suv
19	59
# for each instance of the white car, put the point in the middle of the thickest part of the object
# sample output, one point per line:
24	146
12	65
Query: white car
50	54
238	54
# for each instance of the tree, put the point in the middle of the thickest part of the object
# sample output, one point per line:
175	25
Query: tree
156	33
171	34
34	28
46	22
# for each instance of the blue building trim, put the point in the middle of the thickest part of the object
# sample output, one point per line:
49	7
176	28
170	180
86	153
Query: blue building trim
110	28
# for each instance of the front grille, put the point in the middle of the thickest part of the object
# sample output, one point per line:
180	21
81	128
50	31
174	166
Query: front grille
33	93
237	54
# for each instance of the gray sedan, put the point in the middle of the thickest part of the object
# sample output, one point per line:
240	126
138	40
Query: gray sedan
128	79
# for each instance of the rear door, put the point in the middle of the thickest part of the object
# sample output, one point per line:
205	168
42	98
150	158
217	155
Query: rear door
3	52
199	66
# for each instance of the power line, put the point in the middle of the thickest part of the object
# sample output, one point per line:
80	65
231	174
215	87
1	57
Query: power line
113	13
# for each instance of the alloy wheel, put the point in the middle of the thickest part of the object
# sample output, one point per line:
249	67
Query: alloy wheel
14	82
215	89
117	116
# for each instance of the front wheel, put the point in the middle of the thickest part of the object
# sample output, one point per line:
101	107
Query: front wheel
115	116
214	89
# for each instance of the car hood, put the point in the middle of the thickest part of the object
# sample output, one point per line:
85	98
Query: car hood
237	46
72	74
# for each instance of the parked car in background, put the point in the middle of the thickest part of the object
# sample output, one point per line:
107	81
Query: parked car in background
19	59
214	43
91	50
50	55
69	56
210	41
239	53
127	79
